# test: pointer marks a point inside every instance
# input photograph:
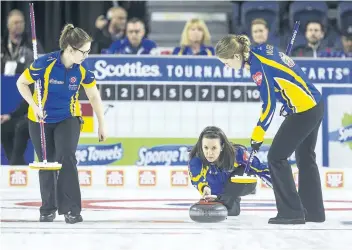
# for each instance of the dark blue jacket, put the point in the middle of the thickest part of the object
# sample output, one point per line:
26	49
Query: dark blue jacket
124	47
186	50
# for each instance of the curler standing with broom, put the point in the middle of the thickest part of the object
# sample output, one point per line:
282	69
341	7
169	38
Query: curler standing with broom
55	119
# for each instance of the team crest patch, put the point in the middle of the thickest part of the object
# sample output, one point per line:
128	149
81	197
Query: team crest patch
245	156
287	60
73	80
257	78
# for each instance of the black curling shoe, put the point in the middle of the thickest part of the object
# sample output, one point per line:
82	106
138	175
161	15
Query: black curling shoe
72	219
281	220
47	217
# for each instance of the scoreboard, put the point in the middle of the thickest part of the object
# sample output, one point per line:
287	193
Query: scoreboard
176	93
192	79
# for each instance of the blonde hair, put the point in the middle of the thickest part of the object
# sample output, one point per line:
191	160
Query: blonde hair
75	37
200	23
259	21
230	45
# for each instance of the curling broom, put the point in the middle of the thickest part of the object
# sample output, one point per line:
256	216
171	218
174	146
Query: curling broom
252	179
45	165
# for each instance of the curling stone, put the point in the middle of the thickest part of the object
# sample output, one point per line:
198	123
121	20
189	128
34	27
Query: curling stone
208	212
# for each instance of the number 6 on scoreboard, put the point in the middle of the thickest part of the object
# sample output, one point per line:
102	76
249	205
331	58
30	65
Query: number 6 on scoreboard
188	93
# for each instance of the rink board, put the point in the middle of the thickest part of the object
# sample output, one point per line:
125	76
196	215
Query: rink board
149	178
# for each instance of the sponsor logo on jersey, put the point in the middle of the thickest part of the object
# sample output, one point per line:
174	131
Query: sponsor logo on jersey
287	60
54	81
257	78
73	79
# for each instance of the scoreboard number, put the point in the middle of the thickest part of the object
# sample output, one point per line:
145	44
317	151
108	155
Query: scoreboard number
108	92
252	94
172	93
188	92
140	92
237	94
205	93
221	93
124	92
156	92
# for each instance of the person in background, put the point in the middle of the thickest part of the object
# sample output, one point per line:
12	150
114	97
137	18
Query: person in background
16	45
134	43
314	35
109	29
15	134
195	39
260	31
343	50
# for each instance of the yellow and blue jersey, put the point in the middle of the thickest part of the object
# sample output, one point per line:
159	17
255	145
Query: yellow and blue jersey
59	86
186	50
279	78
205	174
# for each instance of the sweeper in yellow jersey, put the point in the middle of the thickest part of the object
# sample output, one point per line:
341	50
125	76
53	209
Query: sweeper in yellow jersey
279	78
61	74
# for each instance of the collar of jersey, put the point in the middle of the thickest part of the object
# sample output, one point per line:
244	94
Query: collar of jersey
59	63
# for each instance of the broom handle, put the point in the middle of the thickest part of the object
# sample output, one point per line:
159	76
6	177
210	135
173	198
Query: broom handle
37	83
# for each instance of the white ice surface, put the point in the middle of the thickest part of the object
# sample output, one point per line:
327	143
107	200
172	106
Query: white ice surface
130	229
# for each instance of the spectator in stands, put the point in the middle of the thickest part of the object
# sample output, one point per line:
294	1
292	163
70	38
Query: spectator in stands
260	31
195	39
109	29
314	35
15	134
134	43
347	44
16	45
342	50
